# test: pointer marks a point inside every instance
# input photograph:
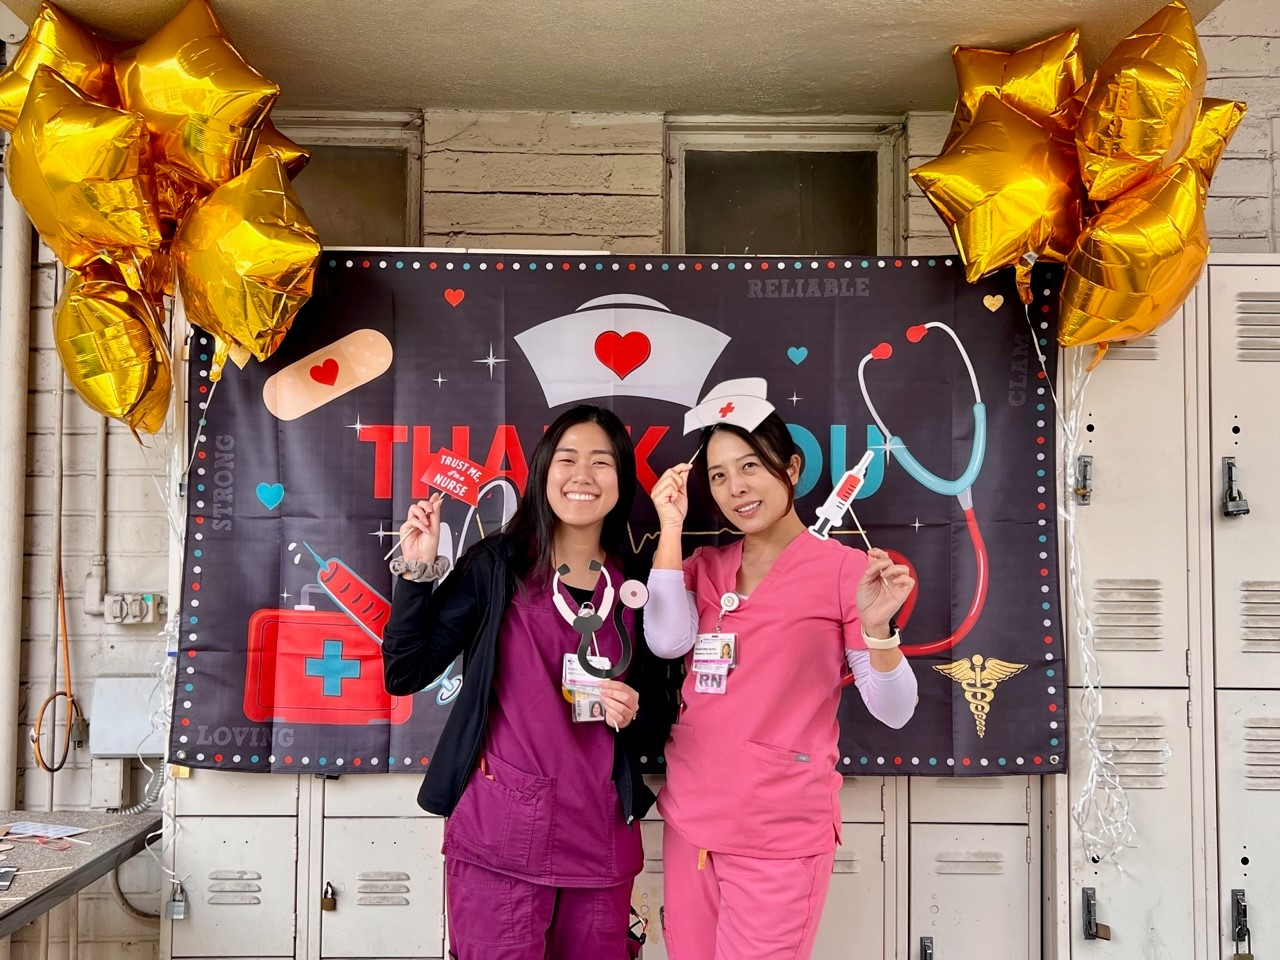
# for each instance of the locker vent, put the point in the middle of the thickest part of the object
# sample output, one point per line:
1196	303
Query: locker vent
382	888
1260	616
1139	749
1262	753
1148	348
1258	325
970	861
1128	615
234	887
847	861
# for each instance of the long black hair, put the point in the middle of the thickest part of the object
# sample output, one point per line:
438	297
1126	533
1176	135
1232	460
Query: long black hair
771	442
532	528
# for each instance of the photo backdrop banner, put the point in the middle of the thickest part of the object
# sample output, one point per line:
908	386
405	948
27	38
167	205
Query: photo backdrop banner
305	464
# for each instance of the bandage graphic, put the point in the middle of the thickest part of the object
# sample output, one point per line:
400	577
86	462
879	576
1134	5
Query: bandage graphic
326	374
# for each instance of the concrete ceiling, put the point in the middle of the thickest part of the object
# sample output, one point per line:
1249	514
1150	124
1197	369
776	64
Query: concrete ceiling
686	56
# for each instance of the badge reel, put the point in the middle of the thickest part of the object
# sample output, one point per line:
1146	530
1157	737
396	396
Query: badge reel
715	654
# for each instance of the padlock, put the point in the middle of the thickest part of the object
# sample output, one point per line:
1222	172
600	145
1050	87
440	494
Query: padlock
328	899
176	906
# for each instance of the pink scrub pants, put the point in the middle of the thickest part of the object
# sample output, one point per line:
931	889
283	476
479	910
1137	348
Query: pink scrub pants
740	908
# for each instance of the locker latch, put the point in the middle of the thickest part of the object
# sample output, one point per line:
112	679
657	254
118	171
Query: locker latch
926	948
1239	920
1084	480
1233	502
328	899
1093	930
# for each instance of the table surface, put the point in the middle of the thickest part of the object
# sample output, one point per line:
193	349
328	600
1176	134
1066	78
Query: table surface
46	876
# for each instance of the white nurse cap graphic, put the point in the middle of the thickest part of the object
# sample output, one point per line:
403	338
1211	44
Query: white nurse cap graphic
741	403
622	345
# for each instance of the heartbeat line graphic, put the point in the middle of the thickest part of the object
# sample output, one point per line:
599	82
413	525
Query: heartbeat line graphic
636	545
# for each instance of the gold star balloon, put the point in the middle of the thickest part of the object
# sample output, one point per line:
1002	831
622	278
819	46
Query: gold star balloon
1005	188
1137	260
246	260
203	103
83	173
58	42
109	340
294	156
1037	80
1141	104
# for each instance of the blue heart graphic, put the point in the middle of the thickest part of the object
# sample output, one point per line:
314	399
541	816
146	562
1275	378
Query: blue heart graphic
270	494
797	354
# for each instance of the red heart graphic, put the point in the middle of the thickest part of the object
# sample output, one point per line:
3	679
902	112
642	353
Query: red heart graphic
326	373
454	296
622	354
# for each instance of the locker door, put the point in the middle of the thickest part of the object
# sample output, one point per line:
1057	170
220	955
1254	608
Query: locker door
1149	905
1244	309
1248	803
239	875
852	926
1135	570
971	892
970	800
214	792
388	878
380	795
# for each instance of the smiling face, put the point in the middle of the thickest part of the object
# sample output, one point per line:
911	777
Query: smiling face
747	493
582	479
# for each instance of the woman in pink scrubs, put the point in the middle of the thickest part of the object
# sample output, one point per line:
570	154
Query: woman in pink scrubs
751	802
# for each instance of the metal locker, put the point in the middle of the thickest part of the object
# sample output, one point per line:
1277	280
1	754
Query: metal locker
1248	802
1133	435
862	800
971	892
381	795
970	800
1147	900
646	894
214	792
239	874
386	877
1244	390
853	921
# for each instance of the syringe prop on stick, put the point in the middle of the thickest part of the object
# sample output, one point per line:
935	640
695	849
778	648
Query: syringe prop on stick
840	500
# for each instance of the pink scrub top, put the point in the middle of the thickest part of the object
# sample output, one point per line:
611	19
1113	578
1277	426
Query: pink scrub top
752	772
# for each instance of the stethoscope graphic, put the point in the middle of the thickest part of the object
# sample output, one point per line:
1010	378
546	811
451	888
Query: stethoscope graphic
588	620
960	487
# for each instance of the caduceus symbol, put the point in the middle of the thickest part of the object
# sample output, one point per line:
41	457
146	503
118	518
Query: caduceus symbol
978	676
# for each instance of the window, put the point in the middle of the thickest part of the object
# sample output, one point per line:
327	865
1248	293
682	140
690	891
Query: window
363	186
769	187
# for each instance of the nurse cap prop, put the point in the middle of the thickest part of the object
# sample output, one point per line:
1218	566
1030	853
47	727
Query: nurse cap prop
740	403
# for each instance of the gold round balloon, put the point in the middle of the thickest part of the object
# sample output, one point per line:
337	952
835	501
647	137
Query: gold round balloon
203	103
1136	261
272	142
246	260
1141	104
1005	188
83	173
111	346
58	42
1038	80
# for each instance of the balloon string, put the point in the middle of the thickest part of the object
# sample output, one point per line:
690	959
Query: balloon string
1101	812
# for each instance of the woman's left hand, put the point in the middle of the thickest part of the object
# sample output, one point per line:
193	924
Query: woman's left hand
620	703
883	589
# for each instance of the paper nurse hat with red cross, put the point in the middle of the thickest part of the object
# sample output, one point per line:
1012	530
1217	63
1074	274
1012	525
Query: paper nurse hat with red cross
741	403
622	344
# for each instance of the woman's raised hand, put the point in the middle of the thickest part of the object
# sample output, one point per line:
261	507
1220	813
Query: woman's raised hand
420	532
883	589
671	496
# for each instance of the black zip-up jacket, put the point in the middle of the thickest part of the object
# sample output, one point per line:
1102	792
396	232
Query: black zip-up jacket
429	627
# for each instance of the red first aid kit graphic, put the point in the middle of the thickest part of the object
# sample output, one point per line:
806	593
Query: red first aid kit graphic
316	666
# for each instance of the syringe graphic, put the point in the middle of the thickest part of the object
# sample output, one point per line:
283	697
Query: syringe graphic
837	503
363	604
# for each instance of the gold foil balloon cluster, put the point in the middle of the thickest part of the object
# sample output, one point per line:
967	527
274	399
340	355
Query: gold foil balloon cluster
1108	175
139	165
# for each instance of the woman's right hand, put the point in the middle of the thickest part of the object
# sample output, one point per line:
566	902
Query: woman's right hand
671	496
420	532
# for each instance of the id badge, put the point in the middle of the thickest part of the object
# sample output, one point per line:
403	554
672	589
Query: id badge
573	677
587	706
710	683
717	649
